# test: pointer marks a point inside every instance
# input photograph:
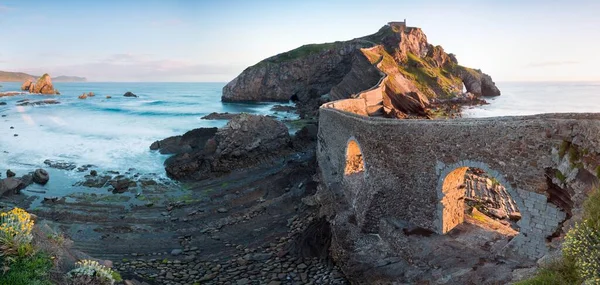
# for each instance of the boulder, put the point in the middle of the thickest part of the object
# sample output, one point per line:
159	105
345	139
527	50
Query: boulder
82	96
191	140
129	94
91	94
26	85
120	185
108	96
307	133
44	86
9	173
41	176
11	185
219	116
2	103
246	141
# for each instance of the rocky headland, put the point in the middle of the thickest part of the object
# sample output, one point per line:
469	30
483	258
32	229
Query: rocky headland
415	73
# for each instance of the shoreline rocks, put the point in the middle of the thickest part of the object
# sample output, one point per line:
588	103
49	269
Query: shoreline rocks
245	141
129	94
219	116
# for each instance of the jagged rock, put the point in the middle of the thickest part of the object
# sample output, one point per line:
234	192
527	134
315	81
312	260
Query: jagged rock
219	116
44	85
191	140
41	176
82	96
244	142
477	82
9	173
60	164
129	94
26	86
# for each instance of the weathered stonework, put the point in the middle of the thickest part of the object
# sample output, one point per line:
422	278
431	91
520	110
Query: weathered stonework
407	162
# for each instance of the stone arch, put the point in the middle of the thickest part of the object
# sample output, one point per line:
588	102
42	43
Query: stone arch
451	176
354	158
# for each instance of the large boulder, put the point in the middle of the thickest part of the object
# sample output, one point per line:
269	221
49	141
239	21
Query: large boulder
11	185
129	94
44	85
41	176
191	140
248	135
246	141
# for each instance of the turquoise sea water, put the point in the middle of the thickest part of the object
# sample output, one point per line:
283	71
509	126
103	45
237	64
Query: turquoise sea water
112	134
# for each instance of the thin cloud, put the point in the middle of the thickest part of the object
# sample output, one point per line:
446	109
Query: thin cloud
4	9
552	63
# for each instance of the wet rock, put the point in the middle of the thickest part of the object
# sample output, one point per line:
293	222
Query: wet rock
129	94
11	185
9	173
219	116
120	185
222	210
82	96
281	108
39	103
94	181
93	173
41	176
60	164
193	140
2	103
176	252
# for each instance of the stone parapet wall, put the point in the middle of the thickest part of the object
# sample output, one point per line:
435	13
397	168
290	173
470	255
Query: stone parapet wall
406	162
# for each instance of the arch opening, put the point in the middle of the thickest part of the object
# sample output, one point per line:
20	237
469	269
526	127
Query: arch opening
475	202
355	163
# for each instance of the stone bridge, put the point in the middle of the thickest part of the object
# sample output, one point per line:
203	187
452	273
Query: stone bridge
412	170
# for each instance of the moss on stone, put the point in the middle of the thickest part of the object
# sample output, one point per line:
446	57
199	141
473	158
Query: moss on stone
573	154
562	150
560	176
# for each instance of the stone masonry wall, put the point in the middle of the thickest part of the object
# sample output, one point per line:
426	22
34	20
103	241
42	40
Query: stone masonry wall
406	162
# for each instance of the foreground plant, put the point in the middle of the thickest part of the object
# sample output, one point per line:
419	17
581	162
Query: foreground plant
89	272
15	232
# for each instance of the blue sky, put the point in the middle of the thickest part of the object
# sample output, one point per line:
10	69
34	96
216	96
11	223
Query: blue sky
215	40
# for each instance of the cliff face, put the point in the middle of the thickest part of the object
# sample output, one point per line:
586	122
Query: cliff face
345	69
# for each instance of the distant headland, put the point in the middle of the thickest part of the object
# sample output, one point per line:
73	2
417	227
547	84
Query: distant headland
7	76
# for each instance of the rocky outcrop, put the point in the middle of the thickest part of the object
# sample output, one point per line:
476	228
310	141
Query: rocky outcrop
41	176
42	86
477	82
343	70
246	141
129	94
26	102
219	116
191	140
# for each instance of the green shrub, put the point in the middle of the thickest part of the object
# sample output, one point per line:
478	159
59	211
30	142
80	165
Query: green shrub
29	270
15	231
559	272
89	272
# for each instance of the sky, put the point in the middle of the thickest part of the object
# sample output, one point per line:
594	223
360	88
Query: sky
213	41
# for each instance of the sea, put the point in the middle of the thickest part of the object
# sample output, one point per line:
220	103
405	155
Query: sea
115	134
